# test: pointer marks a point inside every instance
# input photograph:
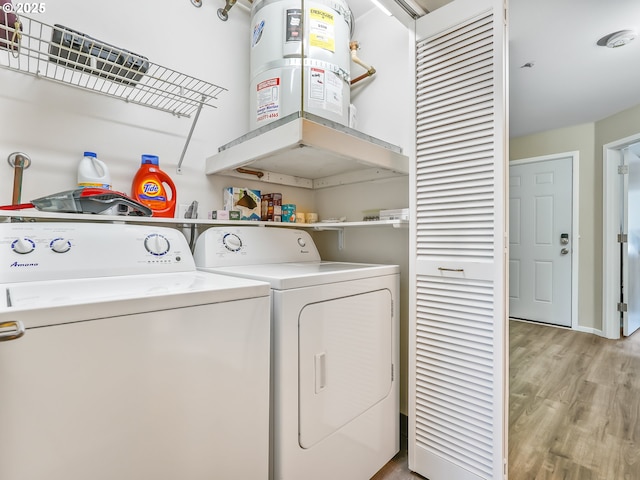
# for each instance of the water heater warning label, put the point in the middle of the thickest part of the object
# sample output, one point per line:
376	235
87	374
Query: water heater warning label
268	100
325	90
322	29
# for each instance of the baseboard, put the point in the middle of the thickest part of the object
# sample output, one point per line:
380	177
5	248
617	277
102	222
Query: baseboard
594	331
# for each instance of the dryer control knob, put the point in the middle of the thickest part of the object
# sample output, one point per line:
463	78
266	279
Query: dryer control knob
301	242
157	244
23	245
232	242
60	245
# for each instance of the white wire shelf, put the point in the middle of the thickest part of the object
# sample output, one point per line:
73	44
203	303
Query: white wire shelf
32	213
65	56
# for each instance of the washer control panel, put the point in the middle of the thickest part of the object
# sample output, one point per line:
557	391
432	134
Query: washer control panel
50	251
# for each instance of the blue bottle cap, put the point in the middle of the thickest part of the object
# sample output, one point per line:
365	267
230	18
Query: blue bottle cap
90	154
152	159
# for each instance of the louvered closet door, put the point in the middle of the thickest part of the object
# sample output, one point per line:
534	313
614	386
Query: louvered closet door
458	282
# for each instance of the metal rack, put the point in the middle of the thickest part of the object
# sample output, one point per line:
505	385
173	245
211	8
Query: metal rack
61	55
68	57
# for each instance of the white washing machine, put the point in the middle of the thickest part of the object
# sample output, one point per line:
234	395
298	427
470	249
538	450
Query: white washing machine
335	396
119	360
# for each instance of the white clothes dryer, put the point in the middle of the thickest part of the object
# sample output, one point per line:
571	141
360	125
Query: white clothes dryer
335	395
119	360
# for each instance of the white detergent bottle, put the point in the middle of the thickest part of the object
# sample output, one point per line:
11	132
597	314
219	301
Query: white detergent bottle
93	172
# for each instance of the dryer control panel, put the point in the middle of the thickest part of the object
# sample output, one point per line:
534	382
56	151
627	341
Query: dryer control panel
231	246
56	251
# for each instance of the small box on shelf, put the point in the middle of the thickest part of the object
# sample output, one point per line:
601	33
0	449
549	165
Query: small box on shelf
271	207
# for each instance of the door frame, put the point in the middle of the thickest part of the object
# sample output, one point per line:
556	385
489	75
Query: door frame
575	243
611	211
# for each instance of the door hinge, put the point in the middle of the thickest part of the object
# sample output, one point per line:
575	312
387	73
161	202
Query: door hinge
392	373
622	238
622	307
623	169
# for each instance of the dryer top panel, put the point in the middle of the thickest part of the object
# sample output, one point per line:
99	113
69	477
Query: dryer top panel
286	276
243	245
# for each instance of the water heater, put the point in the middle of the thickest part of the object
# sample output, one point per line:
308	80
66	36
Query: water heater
300	60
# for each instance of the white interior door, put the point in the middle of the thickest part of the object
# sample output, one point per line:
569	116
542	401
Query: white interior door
540	240
631	254
457	358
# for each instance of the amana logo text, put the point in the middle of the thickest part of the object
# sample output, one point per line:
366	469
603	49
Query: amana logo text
17	264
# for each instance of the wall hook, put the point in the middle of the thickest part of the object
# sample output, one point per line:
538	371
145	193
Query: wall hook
19	162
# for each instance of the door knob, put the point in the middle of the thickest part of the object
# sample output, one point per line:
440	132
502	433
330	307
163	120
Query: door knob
564	251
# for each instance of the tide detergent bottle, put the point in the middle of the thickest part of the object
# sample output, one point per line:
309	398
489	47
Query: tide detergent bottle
154	188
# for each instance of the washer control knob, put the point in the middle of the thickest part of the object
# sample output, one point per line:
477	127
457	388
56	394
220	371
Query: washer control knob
60	245
23	245
301	242
157	244
232	242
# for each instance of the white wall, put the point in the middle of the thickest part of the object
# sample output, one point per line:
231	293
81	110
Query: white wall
580	138
589	140
385	104
54	123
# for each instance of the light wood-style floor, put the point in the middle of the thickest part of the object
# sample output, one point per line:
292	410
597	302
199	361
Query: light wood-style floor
574	407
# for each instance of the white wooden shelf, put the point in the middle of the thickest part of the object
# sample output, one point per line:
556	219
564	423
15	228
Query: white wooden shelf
305	150
34	214
338	227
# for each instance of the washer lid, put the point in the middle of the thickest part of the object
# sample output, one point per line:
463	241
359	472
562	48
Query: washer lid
44	303
285	276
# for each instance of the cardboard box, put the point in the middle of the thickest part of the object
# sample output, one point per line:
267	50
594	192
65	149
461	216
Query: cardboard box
224	215
271	207
244	200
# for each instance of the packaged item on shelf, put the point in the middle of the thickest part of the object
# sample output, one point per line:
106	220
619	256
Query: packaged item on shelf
396	214
289	213
154	188
224	215
244	200
74	49
93	172
271	207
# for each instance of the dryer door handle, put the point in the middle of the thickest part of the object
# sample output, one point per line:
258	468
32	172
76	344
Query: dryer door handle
321	371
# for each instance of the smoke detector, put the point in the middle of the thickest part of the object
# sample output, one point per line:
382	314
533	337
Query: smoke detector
617	39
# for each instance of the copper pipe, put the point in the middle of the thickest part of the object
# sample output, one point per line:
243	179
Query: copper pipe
248	171
354	46
364	75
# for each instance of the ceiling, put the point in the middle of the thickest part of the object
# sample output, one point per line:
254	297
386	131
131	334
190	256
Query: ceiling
572	80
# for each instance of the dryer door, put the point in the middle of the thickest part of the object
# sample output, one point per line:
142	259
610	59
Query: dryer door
345	361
